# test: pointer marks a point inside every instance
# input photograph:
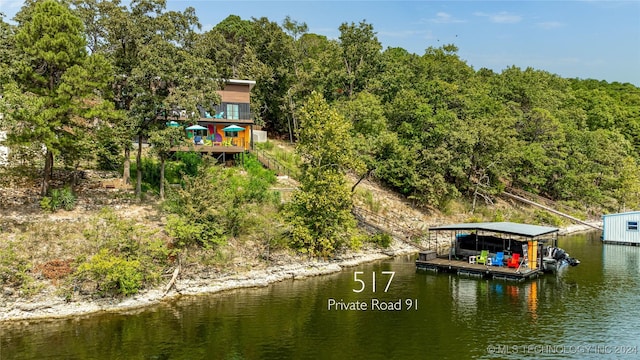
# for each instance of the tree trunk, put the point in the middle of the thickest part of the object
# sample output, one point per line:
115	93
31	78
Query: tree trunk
75	174
48	168
364	176
139	169
126	173
162	177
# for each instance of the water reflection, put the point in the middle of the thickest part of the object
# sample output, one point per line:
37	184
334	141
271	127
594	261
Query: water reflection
594	303
621	259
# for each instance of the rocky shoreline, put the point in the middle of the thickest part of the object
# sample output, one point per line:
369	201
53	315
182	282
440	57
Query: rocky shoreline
51	306
55	307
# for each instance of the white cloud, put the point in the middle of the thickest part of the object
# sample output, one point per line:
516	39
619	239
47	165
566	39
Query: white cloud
444	18
502	17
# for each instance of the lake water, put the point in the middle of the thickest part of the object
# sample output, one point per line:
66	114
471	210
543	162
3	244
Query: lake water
590	311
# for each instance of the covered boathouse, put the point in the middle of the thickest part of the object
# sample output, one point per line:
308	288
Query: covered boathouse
621	228
502	250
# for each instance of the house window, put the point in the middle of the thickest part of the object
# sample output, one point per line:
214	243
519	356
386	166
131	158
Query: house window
231	134
632	226
233	112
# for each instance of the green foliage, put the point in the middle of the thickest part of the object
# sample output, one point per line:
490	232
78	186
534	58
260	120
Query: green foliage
217	203
189	162
383	240
128	255
498	216
372	204
126	237
56	87
14	269
108	149
59	198
67	199
547	218
319	213
113	274
428	126
267	146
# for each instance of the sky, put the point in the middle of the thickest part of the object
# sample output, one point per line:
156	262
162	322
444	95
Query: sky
584	39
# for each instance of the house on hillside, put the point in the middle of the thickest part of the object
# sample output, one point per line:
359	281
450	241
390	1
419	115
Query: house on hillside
226	131
621	228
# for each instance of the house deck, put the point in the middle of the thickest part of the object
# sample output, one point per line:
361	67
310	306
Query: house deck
461	267
210	149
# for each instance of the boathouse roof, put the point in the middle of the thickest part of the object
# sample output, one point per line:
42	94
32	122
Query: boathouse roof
525	230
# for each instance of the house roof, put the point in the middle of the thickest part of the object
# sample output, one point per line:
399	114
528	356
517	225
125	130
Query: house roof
526	230
622	214
251	83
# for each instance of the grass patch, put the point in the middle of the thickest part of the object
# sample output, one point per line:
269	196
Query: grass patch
284	154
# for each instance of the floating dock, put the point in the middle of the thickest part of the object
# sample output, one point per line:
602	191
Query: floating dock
464	268
524	244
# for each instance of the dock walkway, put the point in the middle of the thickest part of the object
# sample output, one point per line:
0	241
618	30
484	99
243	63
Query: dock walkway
460	267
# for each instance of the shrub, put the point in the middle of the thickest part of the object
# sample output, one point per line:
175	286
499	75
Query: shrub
498	216
189	232
67	199
58	198
14	270
113	274
545	217
108	150
190	163
383	240
268	145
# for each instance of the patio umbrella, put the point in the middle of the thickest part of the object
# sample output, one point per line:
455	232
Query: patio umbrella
173	124
196	127
233	128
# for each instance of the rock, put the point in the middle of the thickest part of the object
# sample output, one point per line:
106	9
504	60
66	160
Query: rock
7	291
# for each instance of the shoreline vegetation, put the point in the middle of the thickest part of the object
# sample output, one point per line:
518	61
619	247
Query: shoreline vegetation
105	210
46	248
58	308
55	307
51	307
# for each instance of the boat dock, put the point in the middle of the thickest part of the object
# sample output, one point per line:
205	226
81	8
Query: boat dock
476	249
464	268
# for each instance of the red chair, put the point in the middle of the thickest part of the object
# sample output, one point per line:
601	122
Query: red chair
514	261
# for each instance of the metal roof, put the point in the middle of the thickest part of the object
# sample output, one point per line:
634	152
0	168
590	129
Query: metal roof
502	227
622	214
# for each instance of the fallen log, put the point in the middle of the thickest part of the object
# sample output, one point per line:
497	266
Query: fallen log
172	283
527	201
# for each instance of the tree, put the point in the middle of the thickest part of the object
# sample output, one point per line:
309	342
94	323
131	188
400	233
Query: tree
161	141
6	53
60	81
157	71
360	55
320	211
369	130
297	89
